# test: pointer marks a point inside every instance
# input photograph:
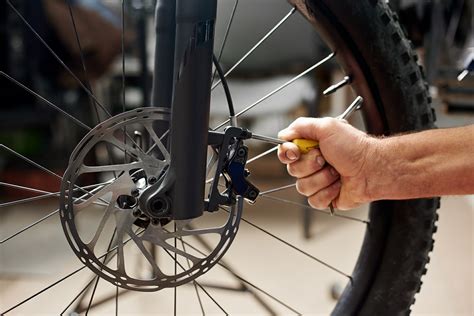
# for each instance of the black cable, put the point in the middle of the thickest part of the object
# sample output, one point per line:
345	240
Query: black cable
224	84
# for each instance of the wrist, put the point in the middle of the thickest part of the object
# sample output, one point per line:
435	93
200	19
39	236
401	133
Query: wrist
374	176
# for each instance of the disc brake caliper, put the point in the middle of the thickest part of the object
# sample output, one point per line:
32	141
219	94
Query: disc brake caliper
232	158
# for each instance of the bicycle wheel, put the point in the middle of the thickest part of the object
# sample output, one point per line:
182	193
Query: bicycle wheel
372	50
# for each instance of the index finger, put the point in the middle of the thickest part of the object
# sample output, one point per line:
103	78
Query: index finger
288	153
307	128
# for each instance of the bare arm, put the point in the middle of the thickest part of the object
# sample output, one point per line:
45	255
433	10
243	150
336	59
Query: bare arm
425	164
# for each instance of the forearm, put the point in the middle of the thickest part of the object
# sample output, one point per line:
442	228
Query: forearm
425	164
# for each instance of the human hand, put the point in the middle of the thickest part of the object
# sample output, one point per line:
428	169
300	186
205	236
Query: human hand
336	172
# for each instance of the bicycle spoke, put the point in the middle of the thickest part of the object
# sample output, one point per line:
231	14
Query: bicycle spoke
123	55
89	93
116	300
274	198
60	280
148	256
96	283
83	62
31	161
79	294
198	284
49	103
97	278
226	34
110	208
194	282
106	260
265	153
248	108
29	226
157	141
123	77
43	290
246	281
34	224
43	168
44	193
265	195
260	42
31	199
294	247
278	189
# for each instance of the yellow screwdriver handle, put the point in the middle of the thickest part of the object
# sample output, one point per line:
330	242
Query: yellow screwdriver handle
305	145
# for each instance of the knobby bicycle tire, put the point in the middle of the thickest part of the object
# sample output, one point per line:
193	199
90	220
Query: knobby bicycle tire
371	46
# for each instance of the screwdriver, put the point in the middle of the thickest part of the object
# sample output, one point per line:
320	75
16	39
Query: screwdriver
306	145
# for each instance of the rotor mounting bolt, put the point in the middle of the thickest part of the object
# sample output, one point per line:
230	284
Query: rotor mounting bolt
241	152
137	213
135	193
155	221
152	180
253	194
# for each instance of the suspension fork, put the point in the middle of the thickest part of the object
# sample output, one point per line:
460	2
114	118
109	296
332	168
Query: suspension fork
182	81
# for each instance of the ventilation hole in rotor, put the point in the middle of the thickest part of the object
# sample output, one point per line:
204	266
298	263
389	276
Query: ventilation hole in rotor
103	270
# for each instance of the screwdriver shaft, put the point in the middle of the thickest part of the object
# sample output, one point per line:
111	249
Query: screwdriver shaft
268	139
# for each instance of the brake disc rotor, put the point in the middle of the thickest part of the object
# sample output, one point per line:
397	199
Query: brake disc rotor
105	226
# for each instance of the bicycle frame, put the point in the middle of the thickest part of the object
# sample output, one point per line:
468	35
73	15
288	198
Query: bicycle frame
182	83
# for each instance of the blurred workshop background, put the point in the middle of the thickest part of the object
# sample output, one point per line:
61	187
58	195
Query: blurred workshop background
442	32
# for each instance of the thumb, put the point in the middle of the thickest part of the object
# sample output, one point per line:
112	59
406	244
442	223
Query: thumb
307	128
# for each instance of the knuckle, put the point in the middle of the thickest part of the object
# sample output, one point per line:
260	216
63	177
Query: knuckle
290	168
302	187
314	165
314	202
299	120
281	156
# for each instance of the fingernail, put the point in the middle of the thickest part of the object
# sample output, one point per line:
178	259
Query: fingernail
290	155
333	172
320	161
